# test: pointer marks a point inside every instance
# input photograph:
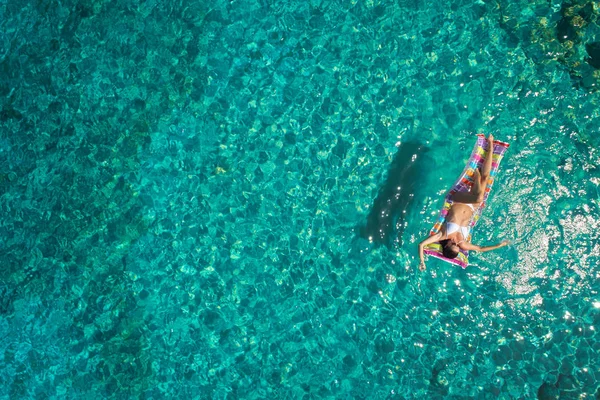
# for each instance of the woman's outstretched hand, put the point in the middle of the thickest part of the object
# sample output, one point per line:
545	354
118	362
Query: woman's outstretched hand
422	266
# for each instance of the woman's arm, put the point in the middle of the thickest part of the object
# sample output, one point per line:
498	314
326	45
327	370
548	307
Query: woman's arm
474	247
429	240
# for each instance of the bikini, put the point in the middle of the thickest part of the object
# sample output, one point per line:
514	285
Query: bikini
470	206
451	227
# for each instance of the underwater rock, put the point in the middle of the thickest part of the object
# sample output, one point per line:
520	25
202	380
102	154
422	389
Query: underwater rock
547	392
502	355
573	18
10	113
383	345
551	35
587	12
439	381
593	50
349	363
565	31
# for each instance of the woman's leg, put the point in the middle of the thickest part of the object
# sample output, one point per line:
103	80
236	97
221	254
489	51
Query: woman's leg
475	195
487	165
480	180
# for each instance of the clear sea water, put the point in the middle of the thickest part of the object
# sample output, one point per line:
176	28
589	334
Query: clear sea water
183	186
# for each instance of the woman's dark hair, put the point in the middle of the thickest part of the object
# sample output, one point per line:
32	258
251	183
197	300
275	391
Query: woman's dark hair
447	250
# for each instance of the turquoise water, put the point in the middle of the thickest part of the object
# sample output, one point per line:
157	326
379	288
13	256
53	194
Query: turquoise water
183	186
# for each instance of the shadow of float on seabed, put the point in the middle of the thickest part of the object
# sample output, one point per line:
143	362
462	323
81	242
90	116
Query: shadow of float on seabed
385	222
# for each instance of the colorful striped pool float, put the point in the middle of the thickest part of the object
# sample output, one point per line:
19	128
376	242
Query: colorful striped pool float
463	184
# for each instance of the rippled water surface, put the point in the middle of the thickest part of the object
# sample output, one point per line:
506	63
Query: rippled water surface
185	190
